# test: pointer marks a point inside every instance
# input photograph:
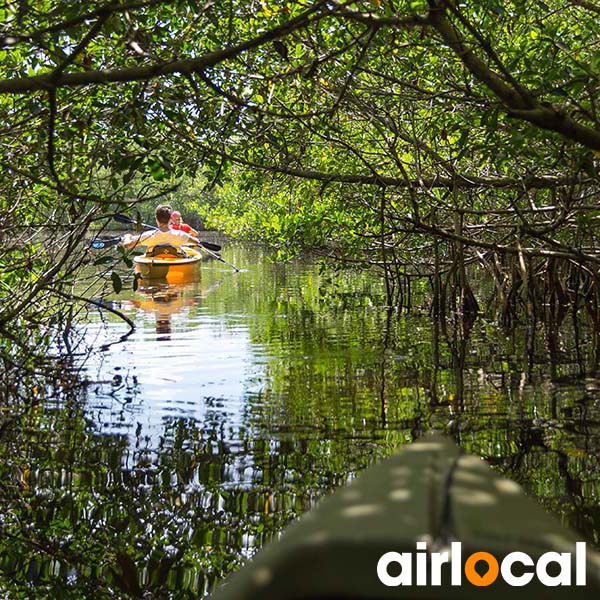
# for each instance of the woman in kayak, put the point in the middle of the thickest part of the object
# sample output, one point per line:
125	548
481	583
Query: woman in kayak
163	235
177	224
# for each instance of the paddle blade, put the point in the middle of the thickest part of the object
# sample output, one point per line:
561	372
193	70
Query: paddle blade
120	218
125	220
209	246
101	243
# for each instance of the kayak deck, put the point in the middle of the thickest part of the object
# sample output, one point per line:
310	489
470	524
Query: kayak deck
174	269
429	492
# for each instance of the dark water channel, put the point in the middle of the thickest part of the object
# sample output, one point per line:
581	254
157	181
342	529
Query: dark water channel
242	398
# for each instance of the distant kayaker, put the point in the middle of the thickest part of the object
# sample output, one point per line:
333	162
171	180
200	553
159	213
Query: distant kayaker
177	224
163	235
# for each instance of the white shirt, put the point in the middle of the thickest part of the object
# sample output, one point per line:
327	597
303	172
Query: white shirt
150	239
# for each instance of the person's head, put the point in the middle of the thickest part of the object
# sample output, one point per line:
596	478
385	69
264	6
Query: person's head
176	217
162	214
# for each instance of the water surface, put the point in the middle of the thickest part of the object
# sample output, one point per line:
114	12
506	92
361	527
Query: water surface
242	398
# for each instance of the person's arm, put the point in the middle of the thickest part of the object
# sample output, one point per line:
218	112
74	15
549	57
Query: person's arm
189	229
191	239
129	241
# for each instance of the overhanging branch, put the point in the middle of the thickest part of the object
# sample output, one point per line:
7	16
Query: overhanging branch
519	102
431	182
145	72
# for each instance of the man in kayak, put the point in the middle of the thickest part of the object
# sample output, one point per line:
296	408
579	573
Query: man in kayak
177	224
163	235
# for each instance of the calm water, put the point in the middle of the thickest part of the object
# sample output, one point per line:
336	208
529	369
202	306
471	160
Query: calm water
242	398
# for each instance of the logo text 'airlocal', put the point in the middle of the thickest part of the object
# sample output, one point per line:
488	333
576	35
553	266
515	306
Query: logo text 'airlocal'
527	568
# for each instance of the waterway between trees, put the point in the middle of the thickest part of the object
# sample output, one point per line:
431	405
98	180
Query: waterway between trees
242	398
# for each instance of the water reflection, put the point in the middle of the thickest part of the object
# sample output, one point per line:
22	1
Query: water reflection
189	448
162	300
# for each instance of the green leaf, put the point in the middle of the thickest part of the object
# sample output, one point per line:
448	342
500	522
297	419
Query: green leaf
157	169
117	283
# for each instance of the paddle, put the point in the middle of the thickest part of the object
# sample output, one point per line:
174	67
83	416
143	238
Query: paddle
205	245
101	243
124	219
215	255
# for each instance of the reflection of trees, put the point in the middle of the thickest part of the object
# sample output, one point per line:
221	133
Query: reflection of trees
517	396
87	511
540	424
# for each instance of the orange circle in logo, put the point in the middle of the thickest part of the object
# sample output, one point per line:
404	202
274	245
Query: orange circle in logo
487	578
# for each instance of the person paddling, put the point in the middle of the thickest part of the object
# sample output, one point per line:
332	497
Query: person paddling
163	235
177	224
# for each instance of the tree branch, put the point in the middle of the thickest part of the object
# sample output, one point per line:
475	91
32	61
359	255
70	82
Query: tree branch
106	10
146	72
460	181
585	4
520	103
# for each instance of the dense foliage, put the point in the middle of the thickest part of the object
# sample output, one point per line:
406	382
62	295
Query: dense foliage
417	137
470	124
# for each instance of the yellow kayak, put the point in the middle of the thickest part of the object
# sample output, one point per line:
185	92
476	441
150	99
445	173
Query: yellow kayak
170	263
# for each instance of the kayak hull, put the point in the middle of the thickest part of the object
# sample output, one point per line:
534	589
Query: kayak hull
171	268
429	497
